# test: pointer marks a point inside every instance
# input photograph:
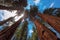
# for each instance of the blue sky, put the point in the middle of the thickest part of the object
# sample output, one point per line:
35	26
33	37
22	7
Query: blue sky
43	4
30	27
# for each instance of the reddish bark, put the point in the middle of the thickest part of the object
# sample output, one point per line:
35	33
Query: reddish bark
43	32
53	22
57	19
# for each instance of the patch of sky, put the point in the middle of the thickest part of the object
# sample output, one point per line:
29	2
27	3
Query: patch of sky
0	18
1	15
57	4
28	6
36	2
1	28
30	2
30	27
44	4
4	14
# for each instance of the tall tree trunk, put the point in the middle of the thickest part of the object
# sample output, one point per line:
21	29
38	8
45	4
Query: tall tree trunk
24	31
43	32
53	22
8	33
